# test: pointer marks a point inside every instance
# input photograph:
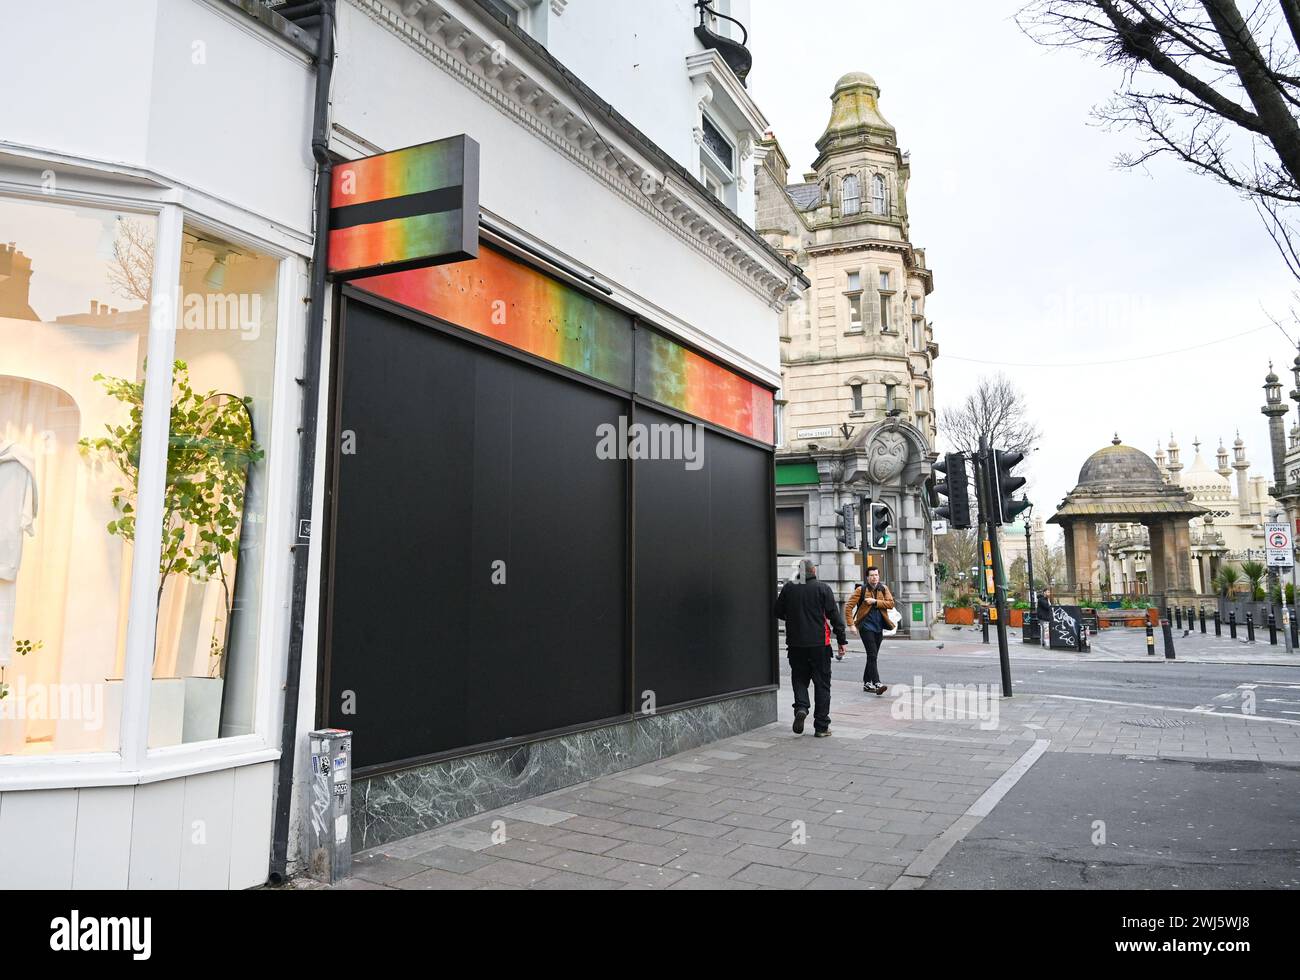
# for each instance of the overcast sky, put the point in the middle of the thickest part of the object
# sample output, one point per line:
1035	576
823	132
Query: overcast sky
1043	251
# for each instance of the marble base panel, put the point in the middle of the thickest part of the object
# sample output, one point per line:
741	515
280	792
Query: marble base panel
401	804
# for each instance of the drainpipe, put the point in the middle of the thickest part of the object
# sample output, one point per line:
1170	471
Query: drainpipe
321	13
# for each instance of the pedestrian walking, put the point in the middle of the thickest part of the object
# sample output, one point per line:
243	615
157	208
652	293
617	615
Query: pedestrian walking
809	610
866	612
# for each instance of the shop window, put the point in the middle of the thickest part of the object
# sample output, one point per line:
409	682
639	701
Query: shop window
205	656
74	312
790	532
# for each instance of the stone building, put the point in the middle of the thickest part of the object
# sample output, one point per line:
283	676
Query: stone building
1230	532
856	418
1122	487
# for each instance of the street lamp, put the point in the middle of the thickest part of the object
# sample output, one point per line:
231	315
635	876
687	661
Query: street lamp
1029	557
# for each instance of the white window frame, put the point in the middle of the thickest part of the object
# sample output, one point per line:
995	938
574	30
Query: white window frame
850	203
174	208
879	194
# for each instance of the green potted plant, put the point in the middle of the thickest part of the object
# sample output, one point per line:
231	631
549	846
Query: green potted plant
210	450
960	611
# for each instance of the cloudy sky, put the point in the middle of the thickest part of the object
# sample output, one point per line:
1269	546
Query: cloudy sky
1044	252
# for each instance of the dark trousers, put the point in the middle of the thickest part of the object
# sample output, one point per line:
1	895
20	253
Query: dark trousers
812	664
872	640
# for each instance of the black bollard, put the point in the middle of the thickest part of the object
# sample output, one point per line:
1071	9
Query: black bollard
1178	616
1232	624
1250	627
984	616
1151	640
1272	629
1169	639
1202	621
1218	625
1295	633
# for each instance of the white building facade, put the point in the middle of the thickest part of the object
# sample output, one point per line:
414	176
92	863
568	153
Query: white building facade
157	228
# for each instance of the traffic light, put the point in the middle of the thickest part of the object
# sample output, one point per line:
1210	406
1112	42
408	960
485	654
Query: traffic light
881	523
954	487
845	531
1005	484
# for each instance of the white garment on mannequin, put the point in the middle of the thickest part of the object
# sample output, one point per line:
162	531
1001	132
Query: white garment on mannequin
18	505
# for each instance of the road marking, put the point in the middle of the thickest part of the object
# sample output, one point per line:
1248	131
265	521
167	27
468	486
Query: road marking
924	863
1165	707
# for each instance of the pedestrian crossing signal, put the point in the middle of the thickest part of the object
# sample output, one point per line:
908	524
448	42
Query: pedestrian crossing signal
882	521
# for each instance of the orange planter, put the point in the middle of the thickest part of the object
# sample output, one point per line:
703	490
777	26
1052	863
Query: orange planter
1017	618
954	616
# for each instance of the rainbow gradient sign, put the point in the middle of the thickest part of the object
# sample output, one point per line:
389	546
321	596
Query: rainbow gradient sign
403	210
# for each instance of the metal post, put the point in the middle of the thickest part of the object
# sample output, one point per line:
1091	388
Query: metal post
1250	627
1272	629
1232	623
1202	621
1151	640
1169	639
1218	625
1029	559
1295	610
984	467
984	621
1178	616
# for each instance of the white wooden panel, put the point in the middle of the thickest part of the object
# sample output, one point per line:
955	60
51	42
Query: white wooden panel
205	830
102	858
37	829
156	835
250	844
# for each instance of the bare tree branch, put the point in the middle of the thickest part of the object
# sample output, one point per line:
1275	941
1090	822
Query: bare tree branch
995	409
1212	83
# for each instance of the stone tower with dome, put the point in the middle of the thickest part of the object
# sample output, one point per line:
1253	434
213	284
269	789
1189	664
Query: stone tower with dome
856	414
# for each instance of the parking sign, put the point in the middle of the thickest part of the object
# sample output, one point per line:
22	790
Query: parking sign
1278	539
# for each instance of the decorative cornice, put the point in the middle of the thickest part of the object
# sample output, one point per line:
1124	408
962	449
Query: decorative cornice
558	117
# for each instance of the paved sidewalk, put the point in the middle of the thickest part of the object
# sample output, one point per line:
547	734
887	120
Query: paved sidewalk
1130	645
878	805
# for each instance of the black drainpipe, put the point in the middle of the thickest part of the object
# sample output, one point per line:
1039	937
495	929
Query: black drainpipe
319	13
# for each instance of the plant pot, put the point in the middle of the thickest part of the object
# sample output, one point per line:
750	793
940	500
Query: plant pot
202	716
955	616
1016	617
166	709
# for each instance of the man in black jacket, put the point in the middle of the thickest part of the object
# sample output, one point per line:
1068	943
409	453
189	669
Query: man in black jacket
807	607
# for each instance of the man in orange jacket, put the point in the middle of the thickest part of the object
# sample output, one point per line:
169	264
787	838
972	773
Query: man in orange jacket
866	612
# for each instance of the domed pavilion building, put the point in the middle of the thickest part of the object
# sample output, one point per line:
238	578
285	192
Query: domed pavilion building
1121	485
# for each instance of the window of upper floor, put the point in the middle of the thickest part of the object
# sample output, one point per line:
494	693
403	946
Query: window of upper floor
530	16
717	162
850	195
879	195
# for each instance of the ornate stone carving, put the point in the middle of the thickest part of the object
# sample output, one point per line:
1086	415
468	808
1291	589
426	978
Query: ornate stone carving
886	457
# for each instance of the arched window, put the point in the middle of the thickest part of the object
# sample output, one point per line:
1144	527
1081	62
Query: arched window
879	196
851	195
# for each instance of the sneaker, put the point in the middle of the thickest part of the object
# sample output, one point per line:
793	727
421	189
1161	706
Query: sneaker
825	734
799	716
868	689
881	689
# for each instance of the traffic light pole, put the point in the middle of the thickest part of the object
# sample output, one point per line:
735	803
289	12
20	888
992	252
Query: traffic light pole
989	519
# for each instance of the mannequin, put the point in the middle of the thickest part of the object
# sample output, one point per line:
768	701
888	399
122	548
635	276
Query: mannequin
18	504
